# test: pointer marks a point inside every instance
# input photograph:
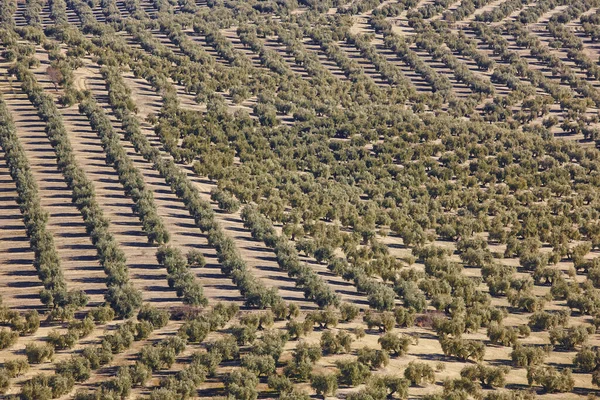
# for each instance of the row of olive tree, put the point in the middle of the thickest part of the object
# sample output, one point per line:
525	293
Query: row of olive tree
232	263
121	295
287	257
46	261
129	175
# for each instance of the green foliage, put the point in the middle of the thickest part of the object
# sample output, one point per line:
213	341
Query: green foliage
385	321
395	344
550	379
301	365
542	320
462	388
324	384
387	386
7	338
139	373
241	385
195	259
283	311
587	359
325	318
527	356
226	347
352	373
180	277
348	312
404	317
271	344
16	367
259	365
487	376
76	367
161	355
297	329
158	318
256	294
42	387
208	360
281	384
225	200
195	331
463	349
287	257
375	359
418	373
102	314
506	336
244	334
337	343
4	380
38	353
258	320
46	259
569	338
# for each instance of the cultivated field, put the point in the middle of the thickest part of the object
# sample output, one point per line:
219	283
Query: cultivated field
299	199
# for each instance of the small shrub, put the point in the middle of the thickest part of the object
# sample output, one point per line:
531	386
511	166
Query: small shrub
39	353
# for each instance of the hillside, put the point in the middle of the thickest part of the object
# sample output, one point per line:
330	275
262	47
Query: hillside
294	199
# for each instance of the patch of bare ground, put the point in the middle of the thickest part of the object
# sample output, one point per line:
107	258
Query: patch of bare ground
19	282
123	10
362	26
76	252
429	349
420	3
245	105
542	21
532	63
186	99
144	271
259	258
248	104
182	361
